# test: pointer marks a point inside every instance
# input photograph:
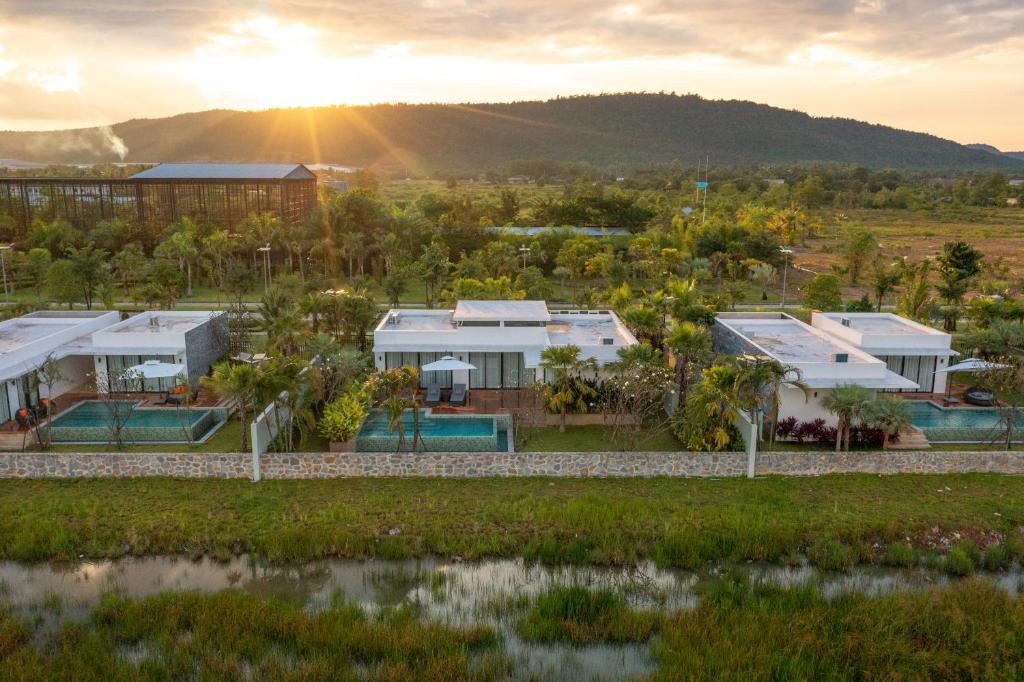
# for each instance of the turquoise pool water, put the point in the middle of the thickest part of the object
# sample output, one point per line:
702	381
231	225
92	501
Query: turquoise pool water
96	414
440	433
927	415
962	424
92	421
377	425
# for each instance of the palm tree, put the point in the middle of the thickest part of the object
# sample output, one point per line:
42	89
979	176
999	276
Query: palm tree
236	383
763	274
759	383
748	385
849	403
314	304
281	321
690	346
647	323
890	413
568	391
390	385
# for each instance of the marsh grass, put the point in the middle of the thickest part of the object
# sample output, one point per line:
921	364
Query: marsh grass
899	554
830	554
579	616
682	523
232	635
755	631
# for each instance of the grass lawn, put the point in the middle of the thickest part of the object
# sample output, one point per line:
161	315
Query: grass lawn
590	439
676	522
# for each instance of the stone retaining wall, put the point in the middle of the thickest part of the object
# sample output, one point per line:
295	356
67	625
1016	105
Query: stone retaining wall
479	464
125	465
889	462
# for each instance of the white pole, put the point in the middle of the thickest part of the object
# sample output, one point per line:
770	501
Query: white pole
3	266
257	475
785	272
704	209
752	451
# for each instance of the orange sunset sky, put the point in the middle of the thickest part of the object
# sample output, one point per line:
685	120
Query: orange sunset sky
954	69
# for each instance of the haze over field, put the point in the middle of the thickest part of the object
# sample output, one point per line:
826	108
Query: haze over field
950	69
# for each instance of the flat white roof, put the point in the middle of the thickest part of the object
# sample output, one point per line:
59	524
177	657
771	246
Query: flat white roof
488	311
417	320
599	333
881	323
26	341
792	341
587	329
21	332
161	322
812	351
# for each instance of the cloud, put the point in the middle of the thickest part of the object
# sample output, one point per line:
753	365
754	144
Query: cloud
892	61
743	29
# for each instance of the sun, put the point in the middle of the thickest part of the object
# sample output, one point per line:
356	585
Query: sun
264	62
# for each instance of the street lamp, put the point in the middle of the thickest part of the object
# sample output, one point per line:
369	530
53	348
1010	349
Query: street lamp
265	250
3	266
524	249
785	271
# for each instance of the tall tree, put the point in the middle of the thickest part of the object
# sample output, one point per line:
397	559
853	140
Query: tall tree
690	346
237	384
567	391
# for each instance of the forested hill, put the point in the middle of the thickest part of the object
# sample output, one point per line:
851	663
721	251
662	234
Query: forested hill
614	131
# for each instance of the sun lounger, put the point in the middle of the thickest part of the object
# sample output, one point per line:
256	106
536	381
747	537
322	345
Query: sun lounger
433	396
458	394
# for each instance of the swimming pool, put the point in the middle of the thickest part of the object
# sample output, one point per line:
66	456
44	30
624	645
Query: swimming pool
90	421
440	433
966	424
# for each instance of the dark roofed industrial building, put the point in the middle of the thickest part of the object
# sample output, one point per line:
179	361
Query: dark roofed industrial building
219	193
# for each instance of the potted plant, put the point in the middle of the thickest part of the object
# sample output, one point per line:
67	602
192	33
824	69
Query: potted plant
341	421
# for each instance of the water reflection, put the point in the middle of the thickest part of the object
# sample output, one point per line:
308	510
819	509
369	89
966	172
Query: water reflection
450	592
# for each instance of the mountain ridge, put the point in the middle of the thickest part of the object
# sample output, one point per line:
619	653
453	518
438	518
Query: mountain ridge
610	130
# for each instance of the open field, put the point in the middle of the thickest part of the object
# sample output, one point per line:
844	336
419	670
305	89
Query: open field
676	522
995	232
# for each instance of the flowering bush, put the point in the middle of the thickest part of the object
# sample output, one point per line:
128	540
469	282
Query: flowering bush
785	427
343	417
817	431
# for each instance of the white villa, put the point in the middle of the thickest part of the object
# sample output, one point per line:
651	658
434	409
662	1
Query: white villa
88	345
502	339
908	348
825	360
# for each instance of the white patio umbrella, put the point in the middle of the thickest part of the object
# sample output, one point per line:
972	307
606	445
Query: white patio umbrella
155	369
446	364
971	365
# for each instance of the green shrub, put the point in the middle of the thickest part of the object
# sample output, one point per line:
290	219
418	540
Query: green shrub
900	554
343	417
831	555
958	562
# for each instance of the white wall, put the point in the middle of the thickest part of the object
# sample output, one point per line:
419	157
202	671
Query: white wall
793	404
75	370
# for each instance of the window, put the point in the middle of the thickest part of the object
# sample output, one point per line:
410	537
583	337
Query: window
480	323
117	364
524	323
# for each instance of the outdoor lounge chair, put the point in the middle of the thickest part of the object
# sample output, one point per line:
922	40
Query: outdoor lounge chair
433	396
176	396
977	395
24	418
458	395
